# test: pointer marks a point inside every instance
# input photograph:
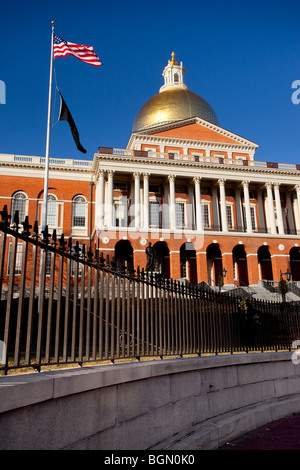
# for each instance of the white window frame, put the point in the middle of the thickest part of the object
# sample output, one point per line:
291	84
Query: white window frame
230	223
207	204
120	201
25	199
77	230
183	203
157	201
59	215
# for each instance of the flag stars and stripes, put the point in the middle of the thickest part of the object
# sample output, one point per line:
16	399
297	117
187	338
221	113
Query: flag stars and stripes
62	48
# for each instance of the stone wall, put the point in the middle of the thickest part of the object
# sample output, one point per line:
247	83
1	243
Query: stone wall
189	403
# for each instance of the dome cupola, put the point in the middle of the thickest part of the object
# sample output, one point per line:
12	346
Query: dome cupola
173	102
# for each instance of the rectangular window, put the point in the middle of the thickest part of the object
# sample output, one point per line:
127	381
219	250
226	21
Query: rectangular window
253	218
18	265
180	214
120	214
154	213
51	211
205	215
19	204
229	217
79	215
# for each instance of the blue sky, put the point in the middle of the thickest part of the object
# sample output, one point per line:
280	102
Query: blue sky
242	57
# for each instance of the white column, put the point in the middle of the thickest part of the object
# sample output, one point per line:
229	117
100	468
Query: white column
172	202
110	198
216	215
199	221
166	209
297	216
146	200
247	206
223	205
271	208
260	204
297	188
278	208
239	213
136	200
100	200
191	207
290	212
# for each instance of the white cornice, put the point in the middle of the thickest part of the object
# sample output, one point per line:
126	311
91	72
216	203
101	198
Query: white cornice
147	162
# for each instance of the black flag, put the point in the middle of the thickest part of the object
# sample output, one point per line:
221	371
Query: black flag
65	115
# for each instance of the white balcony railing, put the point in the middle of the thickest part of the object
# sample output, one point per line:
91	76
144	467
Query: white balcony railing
73	163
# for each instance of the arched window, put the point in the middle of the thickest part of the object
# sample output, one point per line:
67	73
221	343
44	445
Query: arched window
52	214
176	78
19	203
79	211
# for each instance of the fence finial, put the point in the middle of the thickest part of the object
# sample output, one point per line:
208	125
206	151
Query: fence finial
26	226
5	216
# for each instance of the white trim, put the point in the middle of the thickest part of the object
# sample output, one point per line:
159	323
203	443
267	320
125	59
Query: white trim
272	256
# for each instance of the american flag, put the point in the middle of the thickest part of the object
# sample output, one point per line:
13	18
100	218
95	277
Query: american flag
62	48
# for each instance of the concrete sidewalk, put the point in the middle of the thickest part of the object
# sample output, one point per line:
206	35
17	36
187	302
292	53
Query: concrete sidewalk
283	434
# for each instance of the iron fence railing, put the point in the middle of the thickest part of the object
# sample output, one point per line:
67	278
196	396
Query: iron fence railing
61	304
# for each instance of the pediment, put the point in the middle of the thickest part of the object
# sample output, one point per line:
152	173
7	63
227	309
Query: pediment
197	129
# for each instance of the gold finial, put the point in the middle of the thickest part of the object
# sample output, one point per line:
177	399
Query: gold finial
173	61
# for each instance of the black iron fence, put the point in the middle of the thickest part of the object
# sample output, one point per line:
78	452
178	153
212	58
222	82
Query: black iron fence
61	303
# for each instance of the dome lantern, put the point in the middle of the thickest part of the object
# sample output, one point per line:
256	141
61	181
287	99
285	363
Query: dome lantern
173	74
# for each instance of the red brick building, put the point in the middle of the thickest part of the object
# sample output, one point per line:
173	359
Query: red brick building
191	187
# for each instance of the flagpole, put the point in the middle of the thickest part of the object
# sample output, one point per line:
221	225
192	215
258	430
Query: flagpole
46	177
44	212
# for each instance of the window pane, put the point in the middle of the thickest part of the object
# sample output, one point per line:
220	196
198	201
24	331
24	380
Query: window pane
154	213
205	215
120	214
252	209
78	210
51	210
180	220
19	204
229	217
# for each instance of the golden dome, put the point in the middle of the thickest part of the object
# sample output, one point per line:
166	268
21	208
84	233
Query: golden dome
173	104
